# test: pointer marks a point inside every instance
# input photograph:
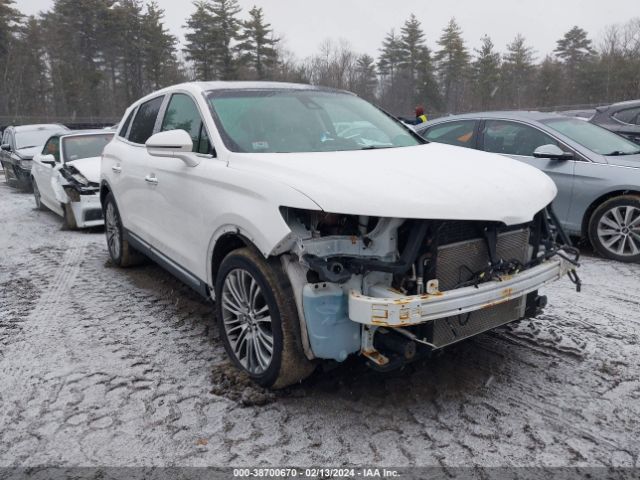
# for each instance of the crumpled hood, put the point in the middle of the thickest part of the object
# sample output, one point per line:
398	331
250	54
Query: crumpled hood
433	181
625	161
89	167
28	153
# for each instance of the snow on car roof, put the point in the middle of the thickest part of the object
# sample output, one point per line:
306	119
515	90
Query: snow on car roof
42	126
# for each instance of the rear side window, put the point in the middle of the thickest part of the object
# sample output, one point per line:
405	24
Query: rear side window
461	133
631	116
182	114
145	120
125	126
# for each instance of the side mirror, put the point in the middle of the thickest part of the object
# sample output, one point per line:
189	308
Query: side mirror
6	147
552	152
173	143
48	160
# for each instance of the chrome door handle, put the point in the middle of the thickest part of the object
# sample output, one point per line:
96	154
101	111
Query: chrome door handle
116	168
152	179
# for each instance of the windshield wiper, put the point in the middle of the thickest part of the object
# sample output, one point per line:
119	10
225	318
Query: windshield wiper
618	153
26	146
373	147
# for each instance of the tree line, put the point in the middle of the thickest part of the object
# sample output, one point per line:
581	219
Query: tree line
92	58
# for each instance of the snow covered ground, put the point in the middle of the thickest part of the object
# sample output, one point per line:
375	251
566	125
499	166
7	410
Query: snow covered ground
102	366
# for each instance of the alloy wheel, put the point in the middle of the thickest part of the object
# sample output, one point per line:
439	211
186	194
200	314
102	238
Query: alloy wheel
619	230
113	230
247	321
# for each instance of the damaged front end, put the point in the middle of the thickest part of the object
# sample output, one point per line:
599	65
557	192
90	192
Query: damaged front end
392	288
72	188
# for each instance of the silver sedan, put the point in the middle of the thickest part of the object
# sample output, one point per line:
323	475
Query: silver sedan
597	172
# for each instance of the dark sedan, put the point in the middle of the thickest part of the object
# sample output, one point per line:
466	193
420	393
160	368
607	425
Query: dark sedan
19	145
622	118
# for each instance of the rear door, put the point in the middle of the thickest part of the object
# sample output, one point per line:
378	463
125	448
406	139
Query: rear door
129	163
518	141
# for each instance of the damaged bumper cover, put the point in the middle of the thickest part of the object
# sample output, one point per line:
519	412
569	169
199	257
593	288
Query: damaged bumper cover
392	309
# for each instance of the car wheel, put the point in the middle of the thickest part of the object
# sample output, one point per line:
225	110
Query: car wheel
68	217
258	320
121	253
614	229
10	176
36	195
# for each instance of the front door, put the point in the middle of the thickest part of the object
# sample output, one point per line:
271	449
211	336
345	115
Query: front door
519	141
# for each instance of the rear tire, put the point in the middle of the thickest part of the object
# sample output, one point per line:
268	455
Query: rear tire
614	229
121	253
258	320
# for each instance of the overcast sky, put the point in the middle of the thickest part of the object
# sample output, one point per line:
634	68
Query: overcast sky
304	24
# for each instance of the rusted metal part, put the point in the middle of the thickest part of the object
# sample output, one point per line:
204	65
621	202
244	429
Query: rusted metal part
383	307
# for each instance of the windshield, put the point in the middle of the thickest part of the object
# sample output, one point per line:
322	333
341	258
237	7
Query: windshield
34	138
268	121
591	136
84	146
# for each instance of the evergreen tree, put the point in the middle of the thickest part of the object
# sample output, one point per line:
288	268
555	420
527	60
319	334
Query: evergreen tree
10	20
548	85
29	71
74	32
575	51
200	39
257	44
226	26
486	74
158	49
517	72
453	65
366	80
389	63
416	64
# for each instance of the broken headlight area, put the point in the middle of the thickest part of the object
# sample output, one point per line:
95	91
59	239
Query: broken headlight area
77	184
423	255
392	288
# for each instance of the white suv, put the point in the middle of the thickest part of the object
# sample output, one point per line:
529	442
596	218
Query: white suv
323	227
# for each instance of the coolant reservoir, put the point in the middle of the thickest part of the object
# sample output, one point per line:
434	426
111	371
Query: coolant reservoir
331	334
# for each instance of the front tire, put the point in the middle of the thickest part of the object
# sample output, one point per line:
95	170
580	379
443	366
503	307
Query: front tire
121	253
36	195
68	217
614	229
258	320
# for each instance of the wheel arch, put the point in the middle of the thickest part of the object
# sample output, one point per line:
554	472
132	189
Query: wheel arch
105	189
230	239
586	218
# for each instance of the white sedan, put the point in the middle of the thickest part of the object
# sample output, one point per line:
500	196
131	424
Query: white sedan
65	177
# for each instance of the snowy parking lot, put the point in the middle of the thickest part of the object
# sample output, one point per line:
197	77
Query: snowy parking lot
103	366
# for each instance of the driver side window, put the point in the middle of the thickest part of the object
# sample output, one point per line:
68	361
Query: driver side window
52	147
511	138
182	114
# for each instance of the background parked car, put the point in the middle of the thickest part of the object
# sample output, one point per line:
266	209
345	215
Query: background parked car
19	145
622	118
66	175
596	171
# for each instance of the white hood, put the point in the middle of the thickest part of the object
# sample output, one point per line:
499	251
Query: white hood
89	167
433	181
